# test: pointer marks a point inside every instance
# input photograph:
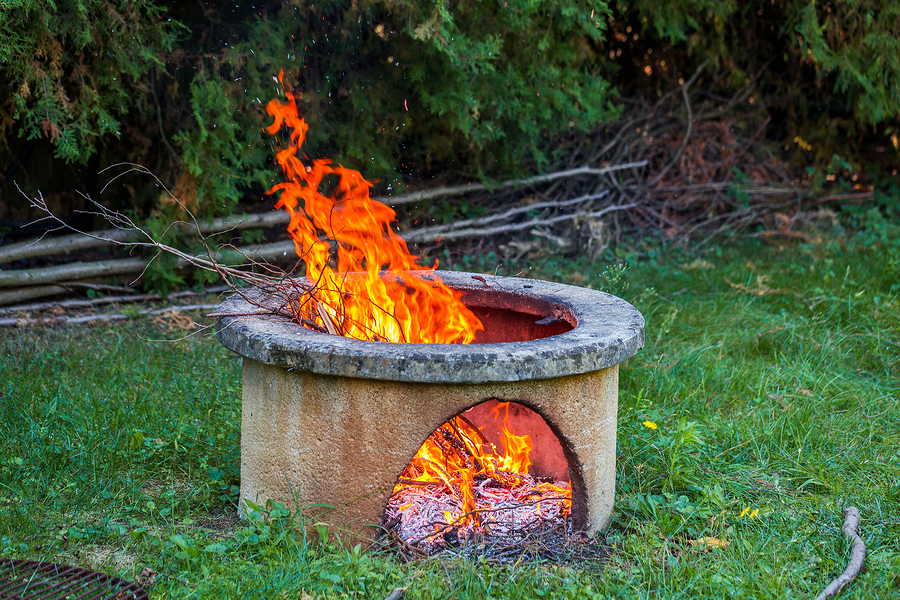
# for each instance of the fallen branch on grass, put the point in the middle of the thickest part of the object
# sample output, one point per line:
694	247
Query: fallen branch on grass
397	594
857	555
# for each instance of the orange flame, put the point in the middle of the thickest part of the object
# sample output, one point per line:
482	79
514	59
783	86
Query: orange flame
346	232
441	461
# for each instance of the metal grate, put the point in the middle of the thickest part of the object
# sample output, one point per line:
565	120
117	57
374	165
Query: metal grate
27	579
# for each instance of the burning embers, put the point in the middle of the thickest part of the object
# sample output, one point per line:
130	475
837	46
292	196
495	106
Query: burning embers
461	487
348	232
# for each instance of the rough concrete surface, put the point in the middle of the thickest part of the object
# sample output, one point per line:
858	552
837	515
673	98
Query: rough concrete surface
335	446
607	330
329	423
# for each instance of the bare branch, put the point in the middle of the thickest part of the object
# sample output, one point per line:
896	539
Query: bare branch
462	189
857	555
433	233
470	233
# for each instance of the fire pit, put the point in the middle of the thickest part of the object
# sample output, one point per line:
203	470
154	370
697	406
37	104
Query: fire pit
329	423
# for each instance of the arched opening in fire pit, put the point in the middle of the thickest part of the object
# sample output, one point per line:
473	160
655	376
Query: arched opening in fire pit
494	473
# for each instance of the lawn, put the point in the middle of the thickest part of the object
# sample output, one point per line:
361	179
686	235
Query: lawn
765	400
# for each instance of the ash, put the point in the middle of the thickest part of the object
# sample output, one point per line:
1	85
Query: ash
428	518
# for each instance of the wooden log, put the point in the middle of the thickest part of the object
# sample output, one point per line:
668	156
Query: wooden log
857	555
439	231
277	252
62	245
71	243
476	187
30	293
43	291
451	234
73	271
77	303
272	218
90	303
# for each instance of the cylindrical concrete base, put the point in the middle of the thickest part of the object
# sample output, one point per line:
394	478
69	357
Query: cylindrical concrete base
333	446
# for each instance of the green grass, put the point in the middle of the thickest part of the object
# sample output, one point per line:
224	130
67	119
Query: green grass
775	393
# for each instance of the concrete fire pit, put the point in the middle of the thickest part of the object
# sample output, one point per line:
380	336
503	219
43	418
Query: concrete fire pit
329	423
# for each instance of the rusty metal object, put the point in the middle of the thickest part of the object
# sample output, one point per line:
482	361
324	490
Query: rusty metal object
31	580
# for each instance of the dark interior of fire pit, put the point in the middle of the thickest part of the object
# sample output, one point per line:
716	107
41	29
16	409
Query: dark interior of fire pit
509	317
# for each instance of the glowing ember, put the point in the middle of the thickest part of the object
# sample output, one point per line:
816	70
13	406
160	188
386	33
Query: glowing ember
458	486
347	232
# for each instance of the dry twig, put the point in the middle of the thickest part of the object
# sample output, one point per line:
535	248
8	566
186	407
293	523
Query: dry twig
857	555
285	296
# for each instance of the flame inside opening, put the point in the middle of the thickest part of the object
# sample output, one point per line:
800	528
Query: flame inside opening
458	483
346	241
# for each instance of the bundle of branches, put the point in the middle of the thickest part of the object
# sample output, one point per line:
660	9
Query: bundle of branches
271	289
690	167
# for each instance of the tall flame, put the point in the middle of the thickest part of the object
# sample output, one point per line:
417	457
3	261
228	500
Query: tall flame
345	233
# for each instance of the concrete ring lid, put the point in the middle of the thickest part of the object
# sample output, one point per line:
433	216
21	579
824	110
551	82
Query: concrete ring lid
606	331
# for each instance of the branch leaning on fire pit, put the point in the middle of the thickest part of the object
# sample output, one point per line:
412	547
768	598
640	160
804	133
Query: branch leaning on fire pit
286	296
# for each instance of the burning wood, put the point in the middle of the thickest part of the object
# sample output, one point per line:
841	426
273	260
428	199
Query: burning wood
459	487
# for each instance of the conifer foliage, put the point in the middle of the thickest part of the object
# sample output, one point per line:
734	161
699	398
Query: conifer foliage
74	71
403	88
